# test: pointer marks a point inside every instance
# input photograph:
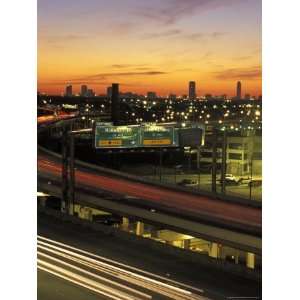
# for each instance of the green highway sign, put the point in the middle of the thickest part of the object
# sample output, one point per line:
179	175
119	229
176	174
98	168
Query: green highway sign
147	135
158	136
117	136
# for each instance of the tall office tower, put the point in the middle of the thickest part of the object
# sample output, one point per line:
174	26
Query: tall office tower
115	104
69	92
151	95
84	90
108	92
238	90
192	90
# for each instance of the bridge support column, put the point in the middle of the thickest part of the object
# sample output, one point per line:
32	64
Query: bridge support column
125	224
236	257
250	260
43	201
186	244
71	209
85	213
139	228
213	250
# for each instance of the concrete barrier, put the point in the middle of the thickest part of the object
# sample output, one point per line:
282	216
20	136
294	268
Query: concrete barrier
179	253
103	170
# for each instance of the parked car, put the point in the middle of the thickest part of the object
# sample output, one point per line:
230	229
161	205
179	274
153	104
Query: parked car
188	182
255	183
231	180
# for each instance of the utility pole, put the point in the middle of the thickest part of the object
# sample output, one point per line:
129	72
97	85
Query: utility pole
251	182
214	163
64	204
72	174
160	163
198	164
224	154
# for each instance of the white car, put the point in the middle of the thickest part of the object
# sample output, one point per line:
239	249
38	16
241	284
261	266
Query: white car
230	179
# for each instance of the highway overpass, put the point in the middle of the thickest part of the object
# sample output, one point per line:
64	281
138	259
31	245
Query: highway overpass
205	216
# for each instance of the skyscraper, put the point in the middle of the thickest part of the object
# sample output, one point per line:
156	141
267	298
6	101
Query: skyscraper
151	95
109	91
84	90
90	93
115	104
69	92
192	90
238	90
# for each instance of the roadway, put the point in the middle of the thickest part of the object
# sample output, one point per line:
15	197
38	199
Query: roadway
77	263
205	216
204	205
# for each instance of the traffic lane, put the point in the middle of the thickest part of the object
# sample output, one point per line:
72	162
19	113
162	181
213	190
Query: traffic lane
215	283
51	287
227	211
109	276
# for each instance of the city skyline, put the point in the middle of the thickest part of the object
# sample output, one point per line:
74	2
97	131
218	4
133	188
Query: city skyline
158	47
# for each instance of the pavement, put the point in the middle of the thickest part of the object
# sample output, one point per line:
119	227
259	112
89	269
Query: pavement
241	190
77	263
185	202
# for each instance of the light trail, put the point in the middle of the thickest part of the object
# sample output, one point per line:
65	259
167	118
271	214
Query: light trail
122	265
167	290
112	268
229	212
78	282
94	275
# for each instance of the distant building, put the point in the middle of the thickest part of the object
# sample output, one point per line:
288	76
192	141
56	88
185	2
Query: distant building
83	91
108	92
192	90
69	91
243	153
115	104
208	96
151	95
238	90
172	96
90	93
247	97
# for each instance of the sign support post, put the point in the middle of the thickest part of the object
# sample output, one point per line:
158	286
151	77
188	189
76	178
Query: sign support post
214	163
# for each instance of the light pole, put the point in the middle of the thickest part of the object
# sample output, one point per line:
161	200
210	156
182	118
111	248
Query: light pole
160	163
68	169
64	173
72	173
224	154
214	163
198	165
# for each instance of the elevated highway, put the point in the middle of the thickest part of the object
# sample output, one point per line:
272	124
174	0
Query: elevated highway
205	216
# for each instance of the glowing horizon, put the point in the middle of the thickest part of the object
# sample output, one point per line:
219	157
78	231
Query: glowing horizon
145	47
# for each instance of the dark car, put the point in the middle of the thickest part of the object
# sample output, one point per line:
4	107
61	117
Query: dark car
255	183
188	182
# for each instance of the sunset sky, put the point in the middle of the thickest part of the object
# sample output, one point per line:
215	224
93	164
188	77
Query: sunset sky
156	45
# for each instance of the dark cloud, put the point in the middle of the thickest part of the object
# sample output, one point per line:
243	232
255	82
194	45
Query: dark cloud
130	66
176	9
241	58
177	33
103	76
64	38
239	73
123	28
202	35
173	32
